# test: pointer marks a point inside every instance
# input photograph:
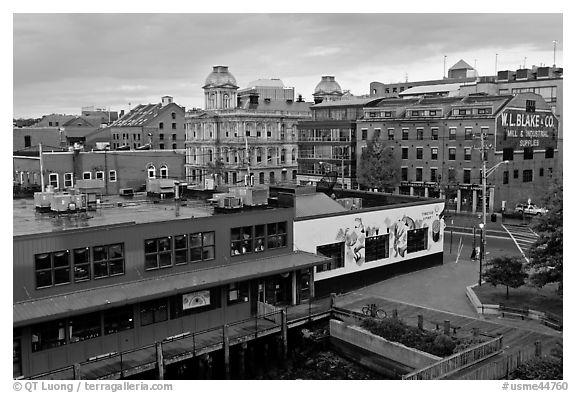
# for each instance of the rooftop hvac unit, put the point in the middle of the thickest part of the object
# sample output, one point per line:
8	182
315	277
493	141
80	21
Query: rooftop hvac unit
42	199
230	202
252	196
60	203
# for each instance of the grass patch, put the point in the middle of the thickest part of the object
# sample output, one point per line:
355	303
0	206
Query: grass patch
538	299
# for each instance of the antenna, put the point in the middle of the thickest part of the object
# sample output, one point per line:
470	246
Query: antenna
554	42
444	67
496	65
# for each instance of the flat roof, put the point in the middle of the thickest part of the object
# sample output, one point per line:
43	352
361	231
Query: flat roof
27	221
106	297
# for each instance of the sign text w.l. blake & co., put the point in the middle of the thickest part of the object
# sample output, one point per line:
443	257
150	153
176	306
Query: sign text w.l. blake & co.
518	129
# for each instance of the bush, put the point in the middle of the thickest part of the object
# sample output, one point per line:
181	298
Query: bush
444	345
542	369
397	331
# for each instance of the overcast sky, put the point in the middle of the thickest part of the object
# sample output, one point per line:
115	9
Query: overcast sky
65	61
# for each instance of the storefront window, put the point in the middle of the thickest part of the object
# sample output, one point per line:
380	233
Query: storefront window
118	319
84	327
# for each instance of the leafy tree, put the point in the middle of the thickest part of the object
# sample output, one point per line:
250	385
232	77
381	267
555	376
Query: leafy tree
508	271
379	166
546	261
216	169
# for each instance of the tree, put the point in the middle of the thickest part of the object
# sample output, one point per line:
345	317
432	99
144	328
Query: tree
546	260
216	169
508	271
379	166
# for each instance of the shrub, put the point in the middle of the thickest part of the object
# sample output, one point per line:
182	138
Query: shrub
542	369
444	345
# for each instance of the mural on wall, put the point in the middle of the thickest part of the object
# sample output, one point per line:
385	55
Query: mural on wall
354	236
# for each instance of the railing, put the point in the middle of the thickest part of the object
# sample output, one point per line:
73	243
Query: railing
457	361
173	349
501	368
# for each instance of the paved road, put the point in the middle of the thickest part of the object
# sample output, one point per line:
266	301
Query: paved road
523	236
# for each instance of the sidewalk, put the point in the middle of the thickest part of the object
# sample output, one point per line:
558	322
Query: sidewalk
469	220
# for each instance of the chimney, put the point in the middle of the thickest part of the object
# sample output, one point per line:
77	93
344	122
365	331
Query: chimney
121	113
167	100
299	98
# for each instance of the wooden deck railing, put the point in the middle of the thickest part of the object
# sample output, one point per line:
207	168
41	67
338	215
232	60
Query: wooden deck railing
458	361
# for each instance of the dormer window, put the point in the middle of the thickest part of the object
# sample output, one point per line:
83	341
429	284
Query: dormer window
415	113
462	112
432	113
484	111
387	114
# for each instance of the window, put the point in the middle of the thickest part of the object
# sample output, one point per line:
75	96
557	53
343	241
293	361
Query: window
161	125
530	106
377	247
164	172
68	180
418	174
153	311
404	173
484	111
174	147
451	175
528	153
118	319
173	126
334	251
434	153
27	141
419	153
417	239
259	237
433	174
415	113
99	175
53	180
508	154
505	177
515	174
158	253
420	134
462	112
432	113
451	153
452	134
108	260
48	335
390	134
387	114
151	172
112	176
541	171
84	327
276	236
468	134
237	292
404	153
527	176
174	137
81	258
241	238
87	175
180	249
466	179
173	114
467	153
364	134
405	134
377	133
52	268
161	137
549	152
161	146
434	134
202	246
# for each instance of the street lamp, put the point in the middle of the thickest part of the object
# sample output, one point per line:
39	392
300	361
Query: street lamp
485	174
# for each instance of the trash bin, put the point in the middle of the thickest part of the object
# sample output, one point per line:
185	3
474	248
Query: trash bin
493	217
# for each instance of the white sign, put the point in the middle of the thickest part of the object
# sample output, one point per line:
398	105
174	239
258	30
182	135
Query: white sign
195	299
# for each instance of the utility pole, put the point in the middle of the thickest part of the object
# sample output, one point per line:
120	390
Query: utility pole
41	167
483	226
444	67
496	65
554	42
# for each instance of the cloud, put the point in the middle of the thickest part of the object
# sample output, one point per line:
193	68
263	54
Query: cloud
63	60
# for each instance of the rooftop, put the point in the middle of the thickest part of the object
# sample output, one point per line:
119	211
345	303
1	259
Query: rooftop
132	211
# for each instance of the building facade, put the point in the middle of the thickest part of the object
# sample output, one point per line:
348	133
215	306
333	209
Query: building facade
240	138
118	169
154	126
126	280
327	143
438	142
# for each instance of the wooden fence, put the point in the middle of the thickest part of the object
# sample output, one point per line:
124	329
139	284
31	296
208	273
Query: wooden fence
458	361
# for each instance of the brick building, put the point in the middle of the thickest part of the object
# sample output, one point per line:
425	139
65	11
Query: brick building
155	126
438	142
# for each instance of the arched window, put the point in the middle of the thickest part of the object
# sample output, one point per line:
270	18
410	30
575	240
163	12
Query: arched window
283	156
209	155
161	125
151	172
164	172
211	101
293	155
258	154
226	101
173	115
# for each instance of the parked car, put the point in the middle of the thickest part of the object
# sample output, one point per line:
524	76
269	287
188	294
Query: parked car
535	210
520	207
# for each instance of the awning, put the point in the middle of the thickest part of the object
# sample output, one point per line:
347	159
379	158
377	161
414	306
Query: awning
102	298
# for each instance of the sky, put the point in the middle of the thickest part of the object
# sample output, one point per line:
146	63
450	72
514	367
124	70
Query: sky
63	62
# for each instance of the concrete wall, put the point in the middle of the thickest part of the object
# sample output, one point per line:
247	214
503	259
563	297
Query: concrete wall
396	352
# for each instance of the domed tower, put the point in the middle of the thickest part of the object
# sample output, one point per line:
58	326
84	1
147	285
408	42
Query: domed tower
220	89
327	90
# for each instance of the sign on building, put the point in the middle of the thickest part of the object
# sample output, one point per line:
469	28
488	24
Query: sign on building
518	129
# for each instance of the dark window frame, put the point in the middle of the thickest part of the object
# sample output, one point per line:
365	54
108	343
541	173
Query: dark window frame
54	269
206	249
417	240
154	252
335	251
377	247
110	262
